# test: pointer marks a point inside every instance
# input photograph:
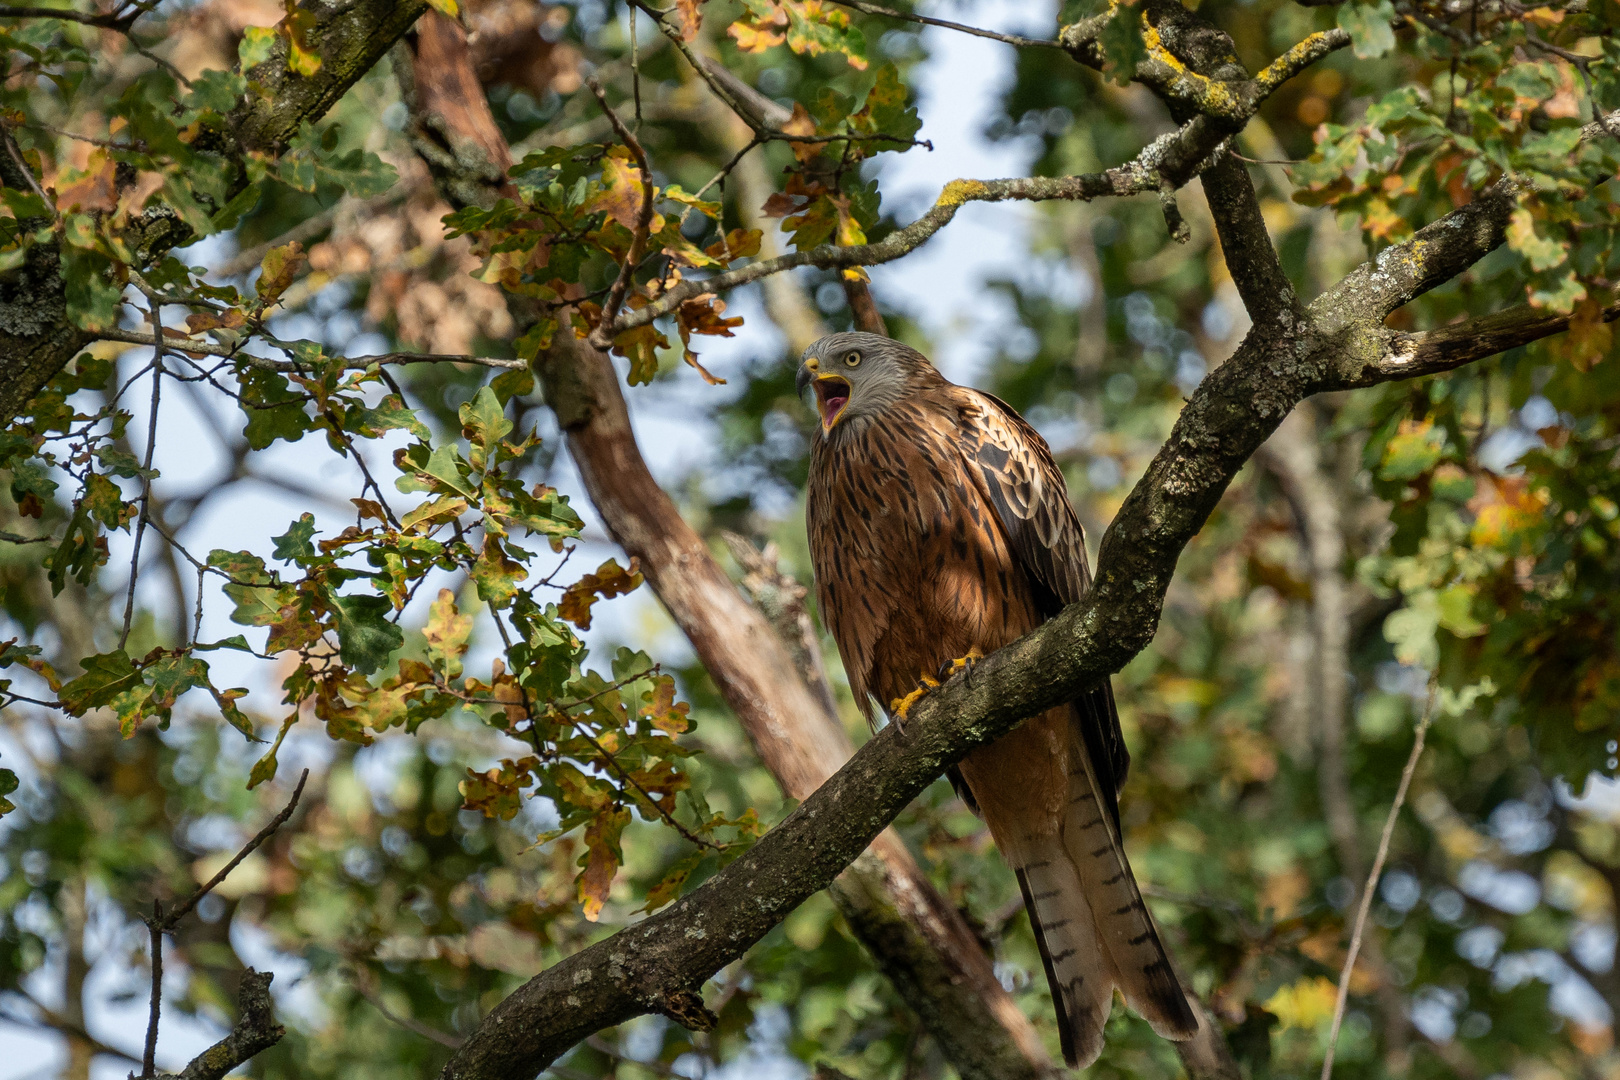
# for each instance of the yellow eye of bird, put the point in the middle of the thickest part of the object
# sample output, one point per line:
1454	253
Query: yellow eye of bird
852	359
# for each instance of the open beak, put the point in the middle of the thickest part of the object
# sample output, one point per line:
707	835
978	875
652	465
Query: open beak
832	396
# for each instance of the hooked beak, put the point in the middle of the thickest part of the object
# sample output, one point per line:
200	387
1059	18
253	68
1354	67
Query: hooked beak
832	396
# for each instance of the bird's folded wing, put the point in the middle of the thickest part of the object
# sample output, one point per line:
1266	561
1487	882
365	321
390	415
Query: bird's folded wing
1031	499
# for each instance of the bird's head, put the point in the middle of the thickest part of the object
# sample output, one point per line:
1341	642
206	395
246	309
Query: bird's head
856	375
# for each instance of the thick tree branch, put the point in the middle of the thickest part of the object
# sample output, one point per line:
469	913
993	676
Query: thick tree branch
1192	64
349	36
1453	346
1434	255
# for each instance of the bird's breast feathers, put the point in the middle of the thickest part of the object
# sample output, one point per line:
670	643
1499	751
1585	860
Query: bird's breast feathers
909	555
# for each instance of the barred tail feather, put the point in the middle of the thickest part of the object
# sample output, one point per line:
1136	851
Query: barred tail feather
1123	925
1076	968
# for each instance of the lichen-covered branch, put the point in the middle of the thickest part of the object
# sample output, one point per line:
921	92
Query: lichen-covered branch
1192	64
1450	347
1174	159
349	36
256	1030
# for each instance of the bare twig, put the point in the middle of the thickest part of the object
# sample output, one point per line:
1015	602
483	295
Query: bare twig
106	144
1373	875
248	259
154	926
635	66
1010	39
112	21
350	363
160	923
252	845
602	336
146	470
364	985
27	173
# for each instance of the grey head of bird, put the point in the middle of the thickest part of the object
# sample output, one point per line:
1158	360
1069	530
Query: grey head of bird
857	376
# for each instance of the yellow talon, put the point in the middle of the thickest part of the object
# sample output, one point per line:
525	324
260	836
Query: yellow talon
900	706
962	663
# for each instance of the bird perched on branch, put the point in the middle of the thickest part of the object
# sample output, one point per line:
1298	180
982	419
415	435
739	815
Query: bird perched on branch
941	530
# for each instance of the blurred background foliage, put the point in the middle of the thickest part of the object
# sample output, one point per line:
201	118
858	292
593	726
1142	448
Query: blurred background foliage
1464	529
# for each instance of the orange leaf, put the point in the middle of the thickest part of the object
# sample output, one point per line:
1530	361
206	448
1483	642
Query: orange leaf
601	861
97	189
621	194
689	16
279	267
610	580
800	123
1589	335
661	708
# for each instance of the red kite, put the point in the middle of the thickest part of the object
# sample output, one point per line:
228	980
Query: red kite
941	530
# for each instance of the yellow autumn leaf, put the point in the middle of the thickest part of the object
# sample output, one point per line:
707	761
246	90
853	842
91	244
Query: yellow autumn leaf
1303	1004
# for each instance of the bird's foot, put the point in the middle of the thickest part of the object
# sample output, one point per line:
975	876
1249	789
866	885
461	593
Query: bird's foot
950	668
899	707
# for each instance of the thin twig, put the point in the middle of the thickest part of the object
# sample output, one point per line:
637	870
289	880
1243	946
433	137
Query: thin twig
160	923
109	22
249	848
602	337
27	173
1373	875
371	484
248	259
350	363
635	67
173	71
107	144
1268	161
146	471
149	1056
720	176
1010	39
362	985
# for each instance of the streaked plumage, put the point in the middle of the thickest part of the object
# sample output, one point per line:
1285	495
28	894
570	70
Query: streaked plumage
940	526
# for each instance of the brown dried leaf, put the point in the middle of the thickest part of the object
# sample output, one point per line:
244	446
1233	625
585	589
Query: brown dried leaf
610	580
689	17
622	190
